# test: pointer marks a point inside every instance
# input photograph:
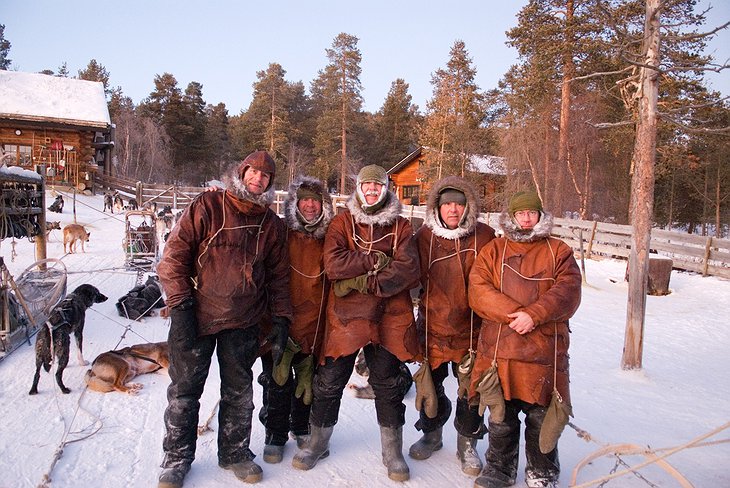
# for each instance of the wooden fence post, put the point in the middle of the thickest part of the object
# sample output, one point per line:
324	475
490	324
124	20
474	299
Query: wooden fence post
138	193
706	258
593	236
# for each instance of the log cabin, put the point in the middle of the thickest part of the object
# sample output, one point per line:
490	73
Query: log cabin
488	172
61	123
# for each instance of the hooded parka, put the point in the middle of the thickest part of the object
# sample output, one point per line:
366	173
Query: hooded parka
446	257
532	272
229	253
309	286
384	315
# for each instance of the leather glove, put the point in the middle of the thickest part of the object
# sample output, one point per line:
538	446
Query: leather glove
466	365
281	370
490	395
358	283
383	260
183	325
304	371
426	397
278	338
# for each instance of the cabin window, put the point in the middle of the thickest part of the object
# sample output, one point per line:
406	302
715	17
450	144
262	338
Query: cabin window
23	154
410	191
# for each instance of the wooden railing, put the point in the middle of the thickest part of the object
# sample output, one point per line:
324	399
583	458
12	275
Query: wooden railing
709	256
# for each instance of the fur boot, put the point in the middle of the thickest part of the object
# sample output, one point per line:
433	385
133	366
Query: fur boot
467	453
317	448
429	443
391	440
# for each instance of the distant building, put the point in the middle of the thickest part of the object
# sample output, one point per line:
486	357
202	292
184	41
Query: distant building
487	172
60	122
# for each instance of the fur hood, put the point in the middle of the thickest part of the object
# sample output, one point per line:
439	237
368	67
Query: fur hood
471	212
513	232
318	229
236	186
385	216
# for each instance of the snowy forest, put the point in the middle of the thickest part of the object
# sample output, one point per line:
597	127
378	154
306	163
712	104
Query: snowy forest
565	117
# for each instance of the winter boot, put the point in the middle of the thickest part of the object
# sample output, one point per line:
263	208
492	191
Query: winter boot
391	440
173	477
468	455
302	440
427	445
541	483
317	448
246	471
273	454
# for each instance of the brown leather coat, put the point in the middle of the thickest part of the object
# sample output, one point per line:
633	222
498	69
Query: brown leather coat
537	274
309	284
446	257
229	252
385	314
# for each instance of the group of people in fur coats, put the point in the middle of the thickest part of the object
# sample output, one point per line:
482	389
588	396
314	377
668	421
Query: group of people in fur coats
308	292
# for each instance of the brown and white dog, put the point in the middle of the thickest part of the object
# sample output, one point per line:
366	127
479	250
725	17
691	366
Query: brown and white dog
73	233
113	370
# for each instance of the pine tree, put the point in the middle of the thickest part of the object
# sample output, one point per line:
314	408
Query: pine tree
337	100
453	128
396	126
4	49
96	72
63	70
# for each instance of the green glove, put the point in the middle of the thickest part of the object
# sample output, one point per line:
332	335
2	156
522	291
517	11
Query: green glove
281	370
383	260
358	283
304	371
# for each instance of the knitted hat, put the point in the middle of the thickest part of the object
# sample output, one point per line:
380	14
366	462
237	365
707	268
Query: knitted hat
372	172
449	195
304	192
262	161
524	200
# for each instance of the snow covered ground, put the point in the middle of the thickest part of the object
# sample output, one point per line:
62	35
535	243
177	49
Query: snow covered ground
114	440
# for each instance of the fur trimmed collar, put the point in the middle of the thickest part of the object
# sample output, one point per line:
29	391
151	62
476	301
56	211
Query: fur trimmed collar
513	232
471	212
385	216
237	188
293	218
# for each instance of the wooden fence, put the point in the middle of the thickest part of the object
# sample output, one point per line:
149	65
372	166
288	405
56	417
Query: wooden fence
709	256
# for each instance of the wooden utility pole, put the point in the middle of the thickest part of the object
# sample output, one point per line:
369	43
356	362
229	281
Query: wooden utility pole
642	190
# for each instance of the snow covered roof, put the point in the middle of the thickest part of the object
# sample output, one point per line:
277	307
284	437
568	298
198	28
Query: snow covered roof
37	97
488	165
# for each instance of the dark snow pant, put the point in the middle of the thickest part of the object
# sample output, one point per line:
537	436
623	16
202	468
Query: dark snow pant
467	421
281	412
504	443
189	364
385	378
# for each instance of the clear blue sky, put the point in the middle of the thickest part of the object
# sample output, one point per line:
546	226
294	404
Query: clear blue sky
222	44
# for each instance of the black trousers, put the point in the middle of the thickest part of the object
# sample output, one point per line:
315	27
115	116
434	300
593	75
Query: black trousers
467	420
281	411
385	378
189	365
504	443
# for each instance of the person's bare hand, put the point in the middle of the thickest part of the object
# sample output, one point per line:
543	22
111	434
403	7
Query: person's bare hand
521	323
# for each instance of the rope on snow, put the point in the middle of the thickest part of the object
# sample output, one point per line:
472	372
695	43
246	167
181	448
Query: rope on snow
634	449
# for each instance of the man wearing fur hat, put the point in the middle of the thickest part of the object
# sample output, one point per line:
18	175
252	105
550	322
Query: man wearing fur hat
525	286
371	257
224	265
448	242
287	388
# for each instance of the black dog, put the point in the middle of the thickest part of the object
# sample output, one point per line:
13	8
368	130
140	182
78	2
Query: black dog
57	205
132	204
141	300
67	317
